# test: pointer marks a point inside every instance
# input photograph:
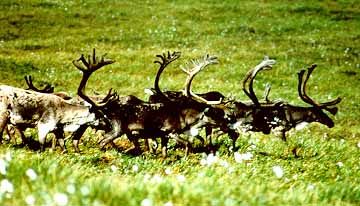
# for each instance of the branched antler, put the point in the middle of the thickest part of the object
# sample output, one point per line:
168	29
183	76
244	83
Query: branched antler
198	65
165	60
302	92
88	67
93	63
250	75
47	89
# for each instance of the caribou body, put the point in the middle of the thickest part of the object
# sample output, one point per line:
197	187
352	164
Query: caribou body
46	112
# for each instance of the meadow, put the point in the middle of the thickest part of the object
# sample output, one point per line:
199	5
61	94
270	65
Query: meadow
41	38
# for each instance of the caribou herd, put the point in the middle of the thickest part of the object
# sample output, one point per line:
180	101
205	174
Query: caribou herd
166	115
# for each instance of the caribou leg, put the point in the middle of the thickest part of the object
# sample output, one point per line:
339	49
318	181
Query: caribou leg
43	130
76	137
4	117
116	131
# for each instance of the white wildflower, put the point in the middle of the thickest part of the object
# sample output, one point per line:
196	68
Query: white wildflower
181	178
147	177
224	163
113	168
342	141
135	168
168	171
168	203
156	179
340	164
84	190
230	201
3	167
211	159
203	162
202	174
6	186
146	202
310	187
358	144
61	199
71	189
30	200
8	156
98	203
231	170
31	174
239	158
279	173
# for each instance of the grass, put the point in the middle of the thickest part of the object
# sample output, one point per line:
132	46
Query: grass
41	38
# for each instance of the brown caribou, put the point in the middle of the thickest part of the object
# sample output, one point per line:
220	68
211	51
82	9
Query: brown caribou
285	116
46	112
140	119
282	116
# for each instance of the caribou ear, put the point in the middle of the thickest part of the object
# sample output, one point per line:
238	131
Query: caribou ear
333	110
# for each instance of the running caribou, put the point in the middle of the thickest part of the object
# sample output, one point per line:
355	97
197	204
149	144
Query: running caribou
166	115
285	116
282	116
140	119
45	112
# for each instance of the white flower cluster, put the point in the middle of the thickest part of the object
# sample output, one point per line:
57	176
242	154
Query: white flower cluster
239	158
6	187
31	174
61	199
278	171
212	159
4	160
149	202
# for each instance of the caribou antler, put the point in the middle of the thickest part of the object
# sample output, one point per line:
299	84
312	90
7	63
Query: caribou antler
165	60
302	92
88	67
267	92
250	75
198	66
47	89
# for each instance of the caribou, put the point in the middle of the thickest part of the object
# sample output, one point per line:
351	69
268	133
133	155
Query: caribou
284	116
140	119
248	116
213	97
48	89
46	112
166	115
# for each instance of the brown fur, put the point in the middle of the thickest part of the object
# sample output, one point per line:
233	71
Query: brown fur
46	112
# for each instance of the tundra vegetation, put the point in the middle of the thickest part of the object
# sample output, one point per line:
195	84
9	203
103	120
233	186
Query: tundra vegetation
315	166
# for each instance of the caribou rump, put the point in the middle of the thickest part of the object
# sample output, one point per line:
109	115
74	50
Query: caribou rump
46	112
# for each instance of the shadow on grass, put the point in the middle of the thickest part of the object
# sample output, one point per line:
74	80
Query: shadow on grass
294	154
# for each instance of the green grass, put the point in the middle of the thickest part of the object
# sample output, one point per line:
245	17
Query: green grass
41	38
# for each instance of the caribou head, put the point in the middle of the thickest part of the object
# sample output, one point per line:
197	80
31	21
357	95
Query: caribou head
316	112
87	68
